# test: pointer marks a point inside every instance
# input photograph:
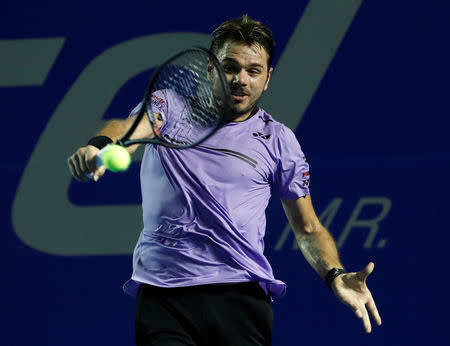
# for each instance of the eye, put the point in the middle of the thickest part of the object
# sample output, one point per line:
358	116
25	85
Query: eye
254	72
228	68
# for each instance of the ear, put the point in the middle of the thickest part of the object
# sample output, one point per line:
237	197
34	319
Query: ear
269	74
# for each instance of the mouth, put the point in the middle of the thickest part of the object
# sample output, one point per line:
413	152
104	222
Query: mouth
238	95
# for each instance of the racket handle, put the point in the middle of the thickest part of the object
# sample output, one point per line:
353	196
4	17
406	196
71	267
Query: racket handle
99	161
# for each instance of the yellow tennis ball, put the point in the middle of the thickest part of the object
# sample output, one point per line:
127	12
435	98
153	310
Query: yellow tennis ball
116	158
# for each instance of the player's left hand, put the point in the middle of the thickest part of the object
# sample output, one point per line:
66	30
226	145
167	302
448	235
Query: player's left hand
351	289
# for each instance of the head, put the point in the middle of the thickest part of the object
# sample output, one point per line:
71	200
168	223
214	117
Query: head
244	48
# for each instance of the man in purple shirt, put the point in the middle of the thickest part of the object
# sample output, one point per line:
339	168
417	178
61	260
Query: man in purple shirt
199	271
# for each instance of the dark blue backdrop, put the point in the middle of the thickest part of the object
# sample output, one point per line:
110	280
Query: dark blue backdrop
365	84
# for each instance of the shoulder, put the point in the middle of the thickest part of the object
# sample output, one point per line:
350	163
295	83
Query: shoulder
265	122
285	144
280	133
158	101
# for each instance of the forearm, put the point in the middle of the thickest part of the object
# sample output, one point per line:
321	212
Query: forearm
84	160
319	249
116	129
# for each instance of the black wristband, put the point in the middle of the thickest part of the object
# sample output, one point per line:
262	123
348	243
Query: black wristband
333	274
100	141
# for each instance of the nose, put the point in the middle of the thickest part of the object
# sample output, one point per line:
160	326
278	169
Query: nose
240	78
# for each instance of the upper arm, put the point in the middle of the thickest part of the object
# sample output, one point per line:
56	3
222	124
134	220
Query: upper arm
301	215
116	129
291	172
144	129
159	106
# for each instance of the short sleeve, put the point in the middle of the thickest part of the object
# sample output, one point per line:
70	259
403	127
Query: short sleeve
291	177
135	109
159	104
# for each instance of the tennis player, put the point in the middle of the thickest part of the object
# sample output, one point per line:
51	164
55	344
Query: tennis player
199	272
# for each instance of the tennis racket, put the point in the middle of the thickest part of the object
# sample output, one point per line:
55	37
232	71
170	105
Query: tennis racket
188	95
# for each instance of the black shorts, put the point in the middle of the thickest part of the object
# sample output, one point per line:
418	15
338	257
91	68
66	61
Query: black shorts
225	314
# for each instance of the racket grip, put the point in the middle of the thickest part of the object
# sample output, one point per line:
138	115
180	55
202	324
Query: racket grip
99	161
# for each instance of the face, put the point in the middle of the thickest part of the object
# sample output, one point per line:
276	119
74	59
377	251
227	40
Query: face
247	75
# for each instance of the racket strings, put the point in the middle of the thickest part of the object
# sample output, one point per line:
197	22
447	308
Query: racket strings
192	79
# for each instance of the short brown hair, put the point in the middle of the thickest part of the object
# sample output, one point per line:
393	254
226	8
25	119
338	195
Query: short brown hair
244	29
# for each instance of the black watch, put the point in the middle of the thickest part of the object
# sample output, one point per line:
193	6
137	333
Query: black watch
333	274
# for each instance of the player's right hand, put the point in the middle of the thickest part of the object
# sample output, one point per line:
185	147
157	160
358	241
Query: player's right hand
84	161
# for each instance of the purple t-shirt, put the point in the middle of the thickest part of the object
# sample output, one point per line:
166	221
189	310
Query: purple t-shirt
204	207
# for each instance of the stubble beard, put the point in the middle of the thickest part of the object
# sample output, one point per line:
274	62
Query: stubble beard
236	113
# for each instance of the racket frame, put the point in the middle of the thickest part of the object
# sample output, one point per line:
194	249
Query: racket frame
124	141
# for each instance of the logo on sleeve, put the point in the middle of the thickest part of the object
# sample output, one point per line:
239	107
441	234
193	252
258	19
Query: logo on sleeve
305	177
157	102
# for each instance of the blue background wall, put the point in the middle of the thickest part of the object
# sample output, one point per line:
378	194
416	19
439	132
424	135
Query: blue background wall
375	132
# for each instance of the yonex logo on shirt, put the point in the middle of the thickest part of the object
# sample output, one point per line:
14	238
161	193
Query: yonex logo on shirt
259	134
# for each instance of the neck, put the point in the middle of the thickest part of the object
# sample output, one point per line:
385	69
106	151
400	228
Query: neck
243	117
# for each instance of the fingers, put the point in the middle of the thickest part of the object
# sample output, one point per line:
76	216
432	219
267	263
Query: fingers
90	158
98	173
358	297
362	314
77	167
374	311
364	273
82	162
